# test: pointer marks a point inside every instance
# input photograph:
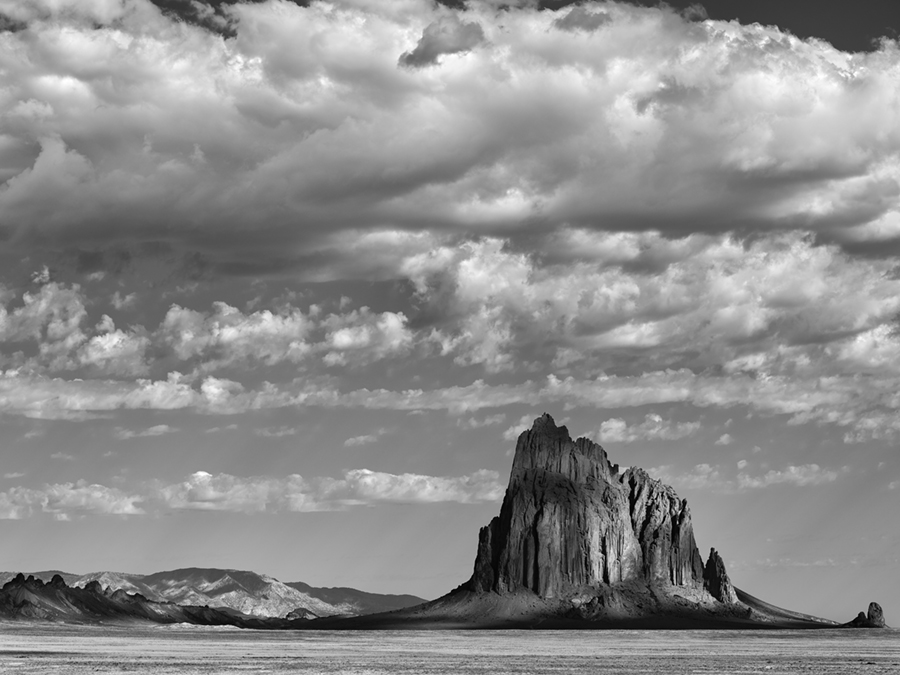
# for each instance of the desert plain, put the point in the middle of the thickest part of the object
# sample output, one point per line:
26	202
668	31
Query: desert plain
32	649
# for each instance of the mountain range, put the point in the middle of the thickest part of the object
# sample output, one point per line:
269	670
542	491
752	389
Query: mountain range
249	593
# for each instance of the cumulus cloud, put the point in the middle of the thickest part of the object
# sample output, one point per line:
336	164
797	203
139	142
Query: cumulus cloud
304	116
505	187
654	427
373	486
228	335
65	500
224	492
725	439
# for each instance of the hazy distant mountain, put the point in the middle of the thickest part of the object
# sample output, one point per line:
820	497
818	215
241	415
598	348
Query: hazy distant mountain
246	592
358	602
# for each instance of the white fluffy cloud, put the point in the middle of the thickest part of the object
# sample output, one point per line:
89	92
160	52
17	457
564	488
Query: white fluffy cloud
224	492
654	427
65	500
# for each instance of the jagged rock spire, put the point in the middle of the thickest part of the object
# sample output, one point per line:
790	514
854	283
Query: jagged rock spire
569	520
716	581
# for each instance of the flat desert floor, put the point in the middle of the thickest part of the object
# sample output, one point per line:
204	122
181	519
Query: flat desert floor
49	648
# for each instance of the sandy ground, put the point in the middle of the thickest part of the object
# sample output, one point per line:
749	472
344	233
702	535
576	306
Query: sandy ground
27	649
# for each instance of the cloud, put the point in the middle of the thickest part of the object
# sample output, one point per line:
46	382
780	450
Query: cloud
223	492
156	430
358	487
373	486
65	500
474	423
725	439
807	474
502	194
227	335
14	474
276	432
513	432
447	35
120	301
654	427
304	116
63	456
366	439
714	478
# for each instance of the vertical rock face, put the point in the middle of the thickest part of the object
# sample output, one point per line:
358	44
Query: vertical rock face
716	580
874	618
569	520
875	615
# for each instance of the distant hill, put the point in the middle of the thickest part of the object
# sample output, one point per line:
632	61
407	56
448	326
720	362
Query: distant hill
246	592
359	602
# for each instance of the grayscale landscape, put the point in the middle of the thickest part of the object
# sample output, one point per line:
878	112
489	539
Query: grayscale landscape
449	336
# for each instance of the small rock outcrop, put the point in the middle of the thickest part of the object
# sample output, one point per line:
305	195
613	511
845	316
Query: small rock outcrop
570	520
873	619
716	581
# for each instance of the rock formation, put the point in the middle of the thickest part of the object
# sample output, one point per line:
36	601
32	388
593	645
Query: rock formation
570	521
716	581
873	619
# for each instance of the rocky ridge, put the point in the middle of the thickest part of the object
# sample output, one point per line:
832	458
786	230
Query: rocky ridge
249	593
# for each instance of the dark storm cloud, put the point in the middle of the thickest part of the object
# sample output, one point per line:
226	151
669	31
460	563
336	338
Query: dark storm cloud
447	35
300	135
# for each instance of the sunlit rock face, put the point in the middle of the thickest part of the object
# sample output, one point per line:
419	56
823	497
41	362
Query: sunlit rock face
570	520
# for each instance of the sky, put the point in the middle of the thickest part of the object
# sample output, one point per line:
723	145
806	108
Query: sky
281	283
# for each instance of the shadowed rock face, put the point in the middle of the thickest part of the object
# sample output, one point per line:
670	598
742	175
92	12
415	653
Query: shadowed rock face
569	520
873	619
716	580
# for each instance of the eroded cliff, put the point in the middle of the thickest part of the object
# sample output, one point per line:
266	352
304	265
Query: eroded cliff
571	520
